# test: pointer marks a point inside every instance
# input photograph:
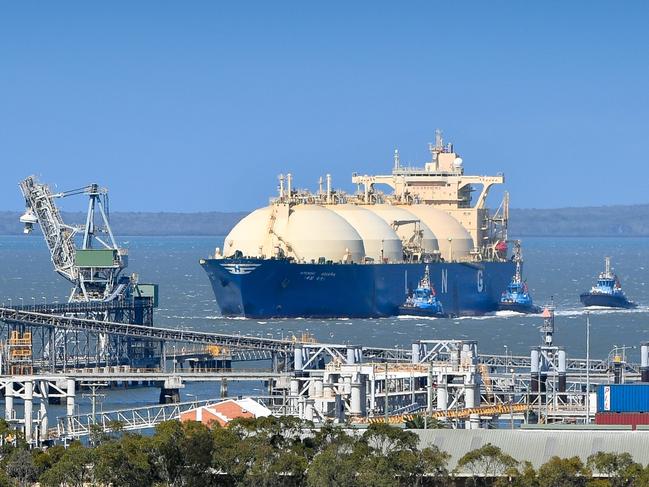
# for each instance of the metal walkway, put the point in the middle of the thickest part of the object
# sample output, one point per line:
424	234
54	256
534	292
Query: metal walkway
137	375
128	419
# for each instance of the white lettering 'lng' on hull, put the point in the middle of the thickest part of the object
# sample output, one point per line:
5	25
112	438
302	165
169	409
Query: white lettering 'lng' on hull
240	269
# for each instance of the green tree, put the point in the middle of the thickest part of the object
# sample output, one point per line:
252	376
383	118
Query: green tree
523	475
231	456
44	459
115	428
197	445
486	463
281	432
125	462
386	455
563	472
384	438
7	436
422	421
21	468
329	433
168	451
264	451
98	435
275	467
642	479
378	471
415	467
5	481
73	469
334	464
619	468
433	463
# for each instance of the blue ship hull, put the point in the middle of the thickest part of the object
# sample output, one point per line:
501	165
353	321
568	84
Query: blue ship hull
259	288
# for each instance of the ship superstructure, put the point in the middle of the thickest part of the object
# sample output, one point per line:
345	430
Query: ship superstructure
429	217
442	183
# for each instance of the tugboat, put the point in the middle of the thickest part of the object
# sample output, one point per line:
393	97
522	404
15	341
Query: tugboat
517	297
607	292
423	301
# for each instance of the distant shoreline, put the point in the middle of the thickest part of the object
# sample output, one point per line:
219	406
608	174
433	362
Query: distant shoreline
604	221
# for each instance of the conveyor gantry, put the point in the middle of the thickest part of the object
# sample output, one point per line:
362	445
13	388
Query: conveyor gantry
43	317
83	306
72	323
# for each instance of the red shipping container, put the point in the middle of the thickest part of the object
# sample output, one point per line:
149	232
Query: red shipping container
632	419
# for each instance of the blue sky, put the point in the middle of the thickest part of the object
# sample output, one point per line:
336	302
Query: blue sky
197	106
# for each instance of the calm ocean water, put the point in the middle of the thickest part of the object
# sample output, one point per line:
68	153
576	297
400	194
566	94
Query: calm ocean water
554	267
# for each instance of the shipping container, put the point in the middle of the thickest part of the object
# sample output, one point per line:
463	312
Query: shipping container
623	398
631	419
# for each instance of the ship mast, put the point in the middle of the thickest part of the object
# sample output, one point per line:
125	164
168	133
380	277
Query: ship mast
607	267
518	258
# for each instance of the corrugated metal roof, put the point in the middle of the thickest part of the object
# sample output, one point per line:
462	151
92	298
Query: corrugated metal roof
538	446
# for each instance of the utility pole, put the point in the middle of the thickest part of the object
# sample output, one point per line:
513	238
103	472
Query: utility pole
386	392
511	399
94	386
587	368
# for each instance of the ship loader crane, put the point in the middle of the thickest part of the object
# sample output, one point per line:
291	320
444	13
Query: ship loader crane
93	269
89	258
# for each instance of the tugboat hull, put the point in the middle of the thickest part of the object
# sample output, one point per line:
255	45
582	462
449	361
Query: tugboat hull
605	300
415	311
530	309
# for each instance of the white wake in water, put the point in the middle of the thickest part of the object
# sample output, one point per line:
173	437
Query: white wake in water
414	317
600	310
508	313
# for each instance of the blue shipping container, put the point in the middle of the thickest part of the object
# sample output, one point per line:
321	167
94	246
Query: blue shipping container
623	398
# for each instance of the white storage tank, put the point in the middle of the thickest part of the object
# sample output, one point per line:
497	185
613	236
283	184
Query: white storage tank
314	231
390	213
250	235
379	239
455	242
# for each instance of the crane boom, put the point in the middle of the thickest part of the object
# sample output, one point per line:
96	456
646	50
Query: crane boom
40	208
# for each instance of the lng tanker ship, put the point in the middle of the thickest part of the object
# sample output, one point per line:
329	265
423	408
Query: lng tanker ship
332	254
